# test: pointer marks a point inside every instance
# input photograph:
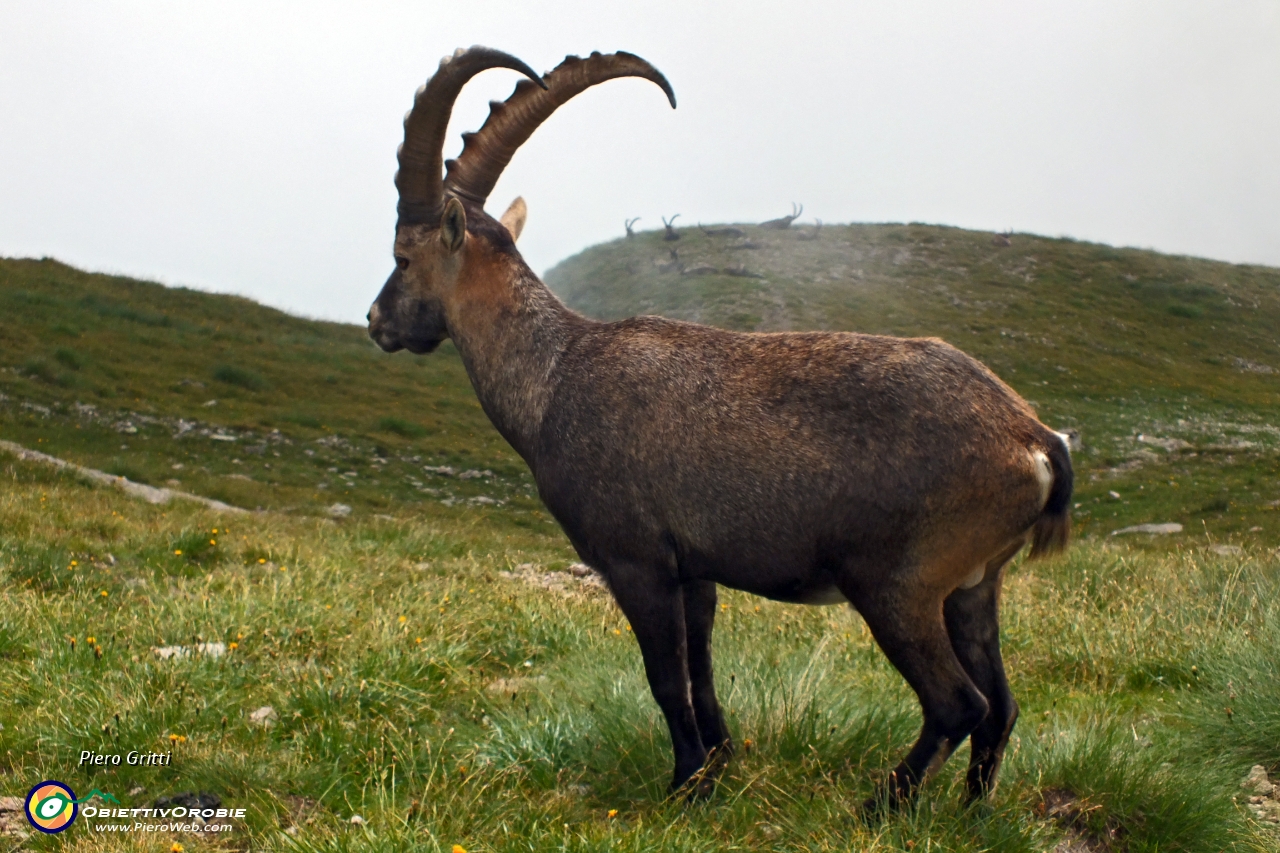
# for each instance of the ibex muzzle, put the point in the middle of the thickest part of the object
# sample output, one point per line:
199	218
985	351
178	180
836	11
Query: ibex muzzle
899	475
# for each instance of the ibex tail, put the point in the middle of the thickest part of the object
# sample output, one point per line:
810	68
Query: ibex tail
1052	529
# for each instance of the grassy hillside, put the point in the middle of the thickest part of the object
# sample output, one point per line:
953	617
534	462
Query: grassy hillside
226	398
432	666
1168	366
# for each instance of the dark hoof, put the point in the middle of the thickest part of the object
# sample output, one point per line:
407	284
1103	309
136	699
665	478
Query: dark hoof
699	786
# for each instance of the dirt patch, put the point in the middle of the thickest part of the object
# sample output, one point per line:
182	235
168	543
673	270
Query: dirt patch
13	823
302	811
1084	828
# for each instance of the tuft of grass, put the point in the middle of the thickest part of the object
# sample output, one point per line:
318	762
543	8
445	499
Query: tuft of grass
68	358
240	377
401	427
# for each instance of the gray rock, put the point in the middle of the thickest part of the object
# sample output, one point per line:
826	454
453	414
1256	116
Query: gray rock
1155	529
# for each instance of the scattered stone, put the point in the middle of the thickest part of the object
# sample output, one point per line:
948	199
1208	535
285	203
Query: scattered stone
1154	529
512	686
1225	550
566	583
1257	781
339	511
578	790
1246	366
213	650
209	403
357	820
1264	801
137	792
263	717
1114	495
1169	445
770	832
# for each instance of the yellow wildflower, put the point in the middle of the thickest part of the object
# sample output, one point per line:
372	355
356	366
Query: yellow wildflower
176	848
458	848
178	552
613	812
232	646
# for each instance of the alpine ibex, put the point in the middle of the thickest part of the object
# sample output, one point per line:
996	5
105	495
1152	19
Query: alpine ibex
629	223
784	222
671	234
899	475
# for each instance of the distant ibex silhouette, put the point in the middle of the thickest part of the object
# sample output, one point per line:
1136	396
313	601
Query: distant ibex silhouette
784	221
671	234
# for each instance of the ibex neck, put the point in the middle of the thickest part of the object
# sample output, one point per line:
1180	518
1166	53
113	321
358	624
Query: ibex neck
511	331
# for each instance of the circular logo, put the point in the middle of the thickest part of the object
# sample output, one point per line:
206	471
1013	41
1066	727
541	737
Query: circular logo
51	806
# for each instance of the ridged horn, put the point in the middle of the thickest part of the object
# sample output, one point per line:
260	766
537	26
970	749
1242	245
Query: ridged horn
487	152
419	179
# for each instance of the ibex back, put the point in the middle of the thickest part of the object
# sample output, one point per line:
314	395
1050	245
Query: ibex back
899	475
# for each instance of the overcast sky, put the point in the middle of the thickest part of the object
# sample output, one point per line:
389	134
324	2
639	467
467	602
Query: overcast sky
249	147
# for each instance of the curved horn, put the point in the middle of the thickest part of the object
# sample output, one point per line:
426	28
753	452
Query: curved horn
487	152
419	178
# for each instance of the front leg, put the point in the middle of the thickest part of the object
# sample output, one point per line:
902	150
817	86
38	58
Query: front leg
653	602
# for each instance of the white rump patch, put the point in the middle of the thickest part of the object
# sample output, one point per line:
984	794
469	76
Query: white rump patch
1065	438
974	579
1044	474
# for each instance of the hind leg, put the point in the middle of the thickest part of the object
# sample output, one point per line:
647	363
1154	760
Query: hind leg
914	638
699	619
972	618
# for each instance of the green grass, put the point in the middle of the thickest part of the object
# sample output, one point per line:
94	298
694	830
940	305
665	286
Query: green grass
226	398
419	682
417	686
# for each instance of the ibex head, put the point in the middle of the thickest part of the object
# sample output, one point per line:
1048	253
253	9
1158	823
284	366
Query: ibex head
445	241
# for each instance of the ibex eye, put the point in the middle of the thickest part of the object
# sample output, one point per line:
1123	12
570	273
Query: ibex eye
402	263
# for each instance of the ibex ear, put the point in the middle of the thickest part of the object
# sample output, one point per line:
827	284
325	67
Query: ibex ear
515	216
453	226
